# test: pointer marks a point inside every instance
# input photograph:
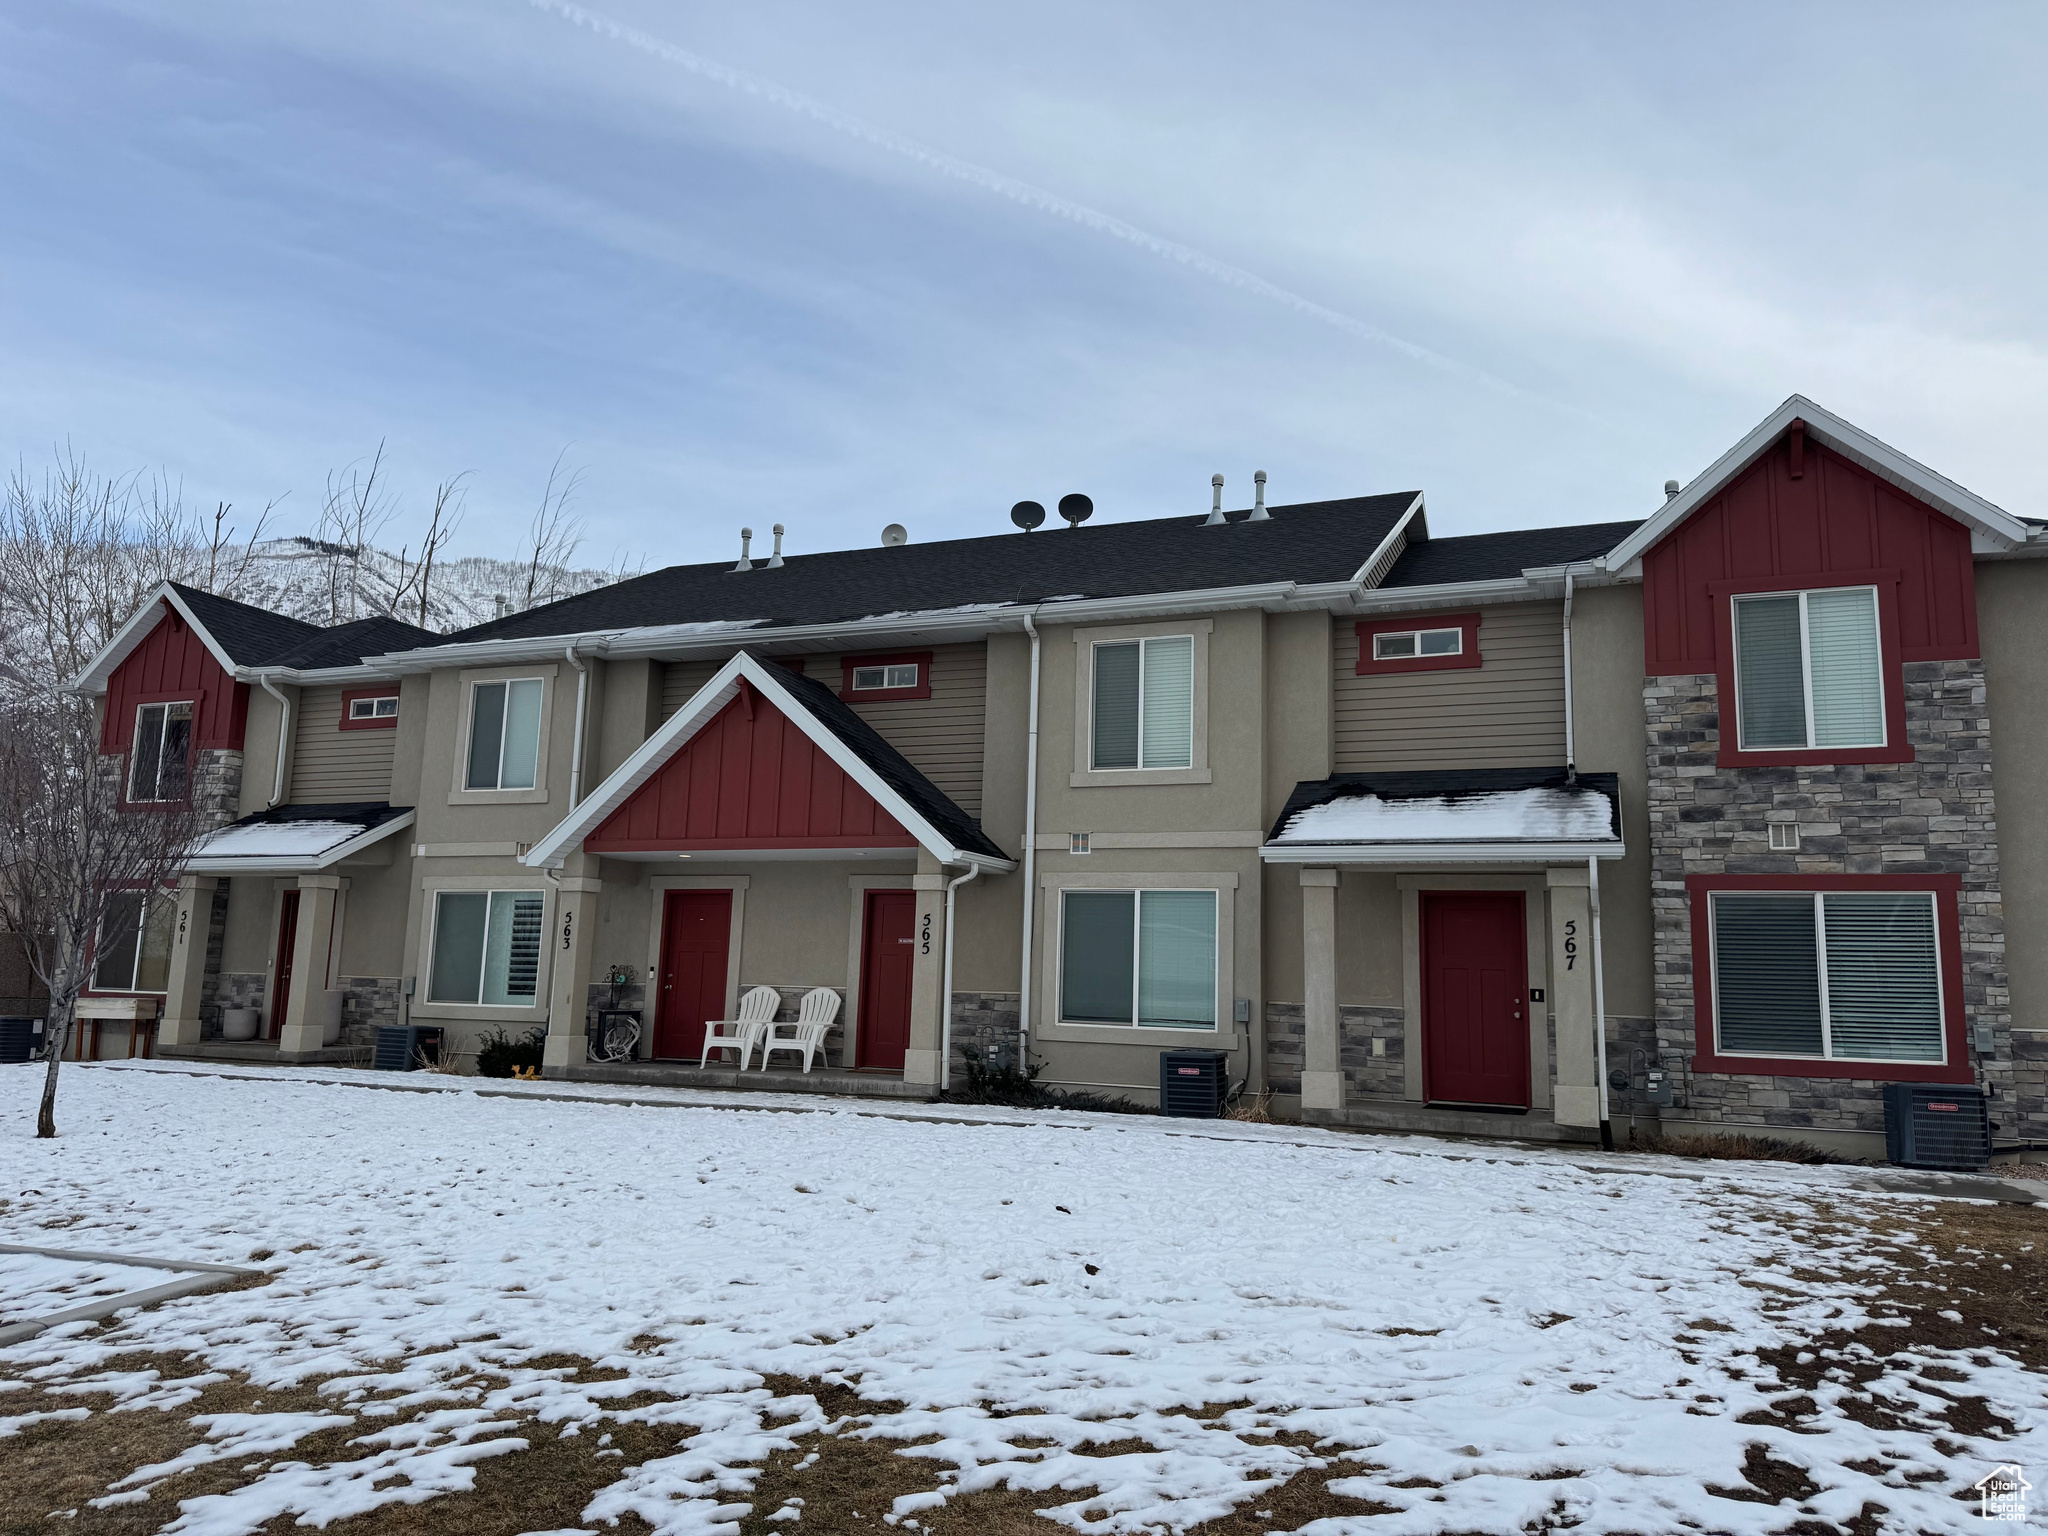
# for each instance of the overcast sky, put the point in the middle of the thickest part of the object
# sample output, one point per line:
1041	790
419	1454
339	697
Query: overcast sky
841	265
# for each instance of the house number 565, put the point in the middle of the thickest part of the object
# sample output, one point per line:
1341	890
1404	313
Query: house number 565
924	946
1571	943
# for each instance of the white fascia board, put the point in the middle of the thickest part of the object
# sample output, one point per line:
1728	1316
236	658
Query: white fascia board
1439	853
656	750
1986	521
1413	520
306	677
300	865
93	678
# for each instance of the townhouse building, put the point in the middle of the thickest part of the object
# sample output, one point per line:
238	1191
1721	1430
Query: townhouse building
1693	821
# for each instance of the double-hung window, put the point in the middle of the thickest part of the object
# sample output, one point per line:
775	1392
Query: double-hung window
1404	645
159	760
504	735
1827	975
1144	958
134	949
1808	670
1144	703
487	948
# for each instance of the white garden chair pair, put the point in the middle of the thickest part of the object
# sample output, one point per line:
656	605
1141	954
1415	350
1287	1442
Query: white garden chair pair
756	1026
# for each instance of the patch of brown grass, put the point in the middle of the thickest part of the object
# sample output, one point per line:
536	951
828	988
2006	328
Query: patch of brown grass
1723	1146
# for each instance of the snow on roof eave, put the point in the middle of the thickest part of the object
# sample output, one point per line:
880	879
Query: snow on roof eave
1993	527
294	863
93	677
1499	851
653	753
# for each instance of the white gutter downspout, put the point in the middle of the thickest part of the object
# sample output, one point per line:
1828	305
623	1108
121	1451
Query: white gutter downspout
576	755
946	1027
1600	1008
1571	761
284	725
1030	856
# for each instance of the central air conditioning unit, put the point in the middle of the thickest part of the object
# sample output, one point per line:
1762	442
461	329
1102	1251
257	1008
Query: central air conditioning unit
1936	1125
1194	1084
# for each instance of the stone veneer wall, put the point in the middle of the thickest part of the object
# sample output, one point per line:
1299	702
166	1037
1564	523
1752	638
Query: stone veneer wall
1366	1076
1932	815
367	1004
985	1024
232	989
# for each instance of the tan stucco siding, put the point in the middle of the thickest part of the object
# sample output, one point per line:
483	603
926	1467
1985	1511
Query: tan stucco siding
332	766
1507	712
2012	618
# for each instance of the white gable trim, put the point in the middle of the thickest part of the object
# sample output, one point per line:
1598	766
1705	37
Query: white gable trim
141	624
1991	526
653	754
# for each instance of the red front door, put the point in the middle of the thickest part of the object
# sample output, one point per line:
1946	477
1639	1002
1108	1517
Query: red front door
287	941
1475	991
888	955
696	937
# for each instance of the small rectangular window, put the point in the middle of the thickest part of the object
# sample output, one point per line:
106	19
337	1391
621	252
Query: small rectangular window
504	735
384	707
1833	976
1784	837
1138	957
1079	842
134	949
160	757
1403	645
895	675
1144	715
486	948
1808	670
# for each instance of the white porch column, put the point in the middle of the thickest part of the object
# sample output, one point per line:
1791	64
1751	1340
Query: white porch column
921	1061
1575	1098
1322	1067
312	966
569	976
191	926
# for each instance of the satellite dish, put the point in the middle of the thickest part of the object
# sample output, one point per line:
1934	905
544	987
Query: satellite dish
1076	508
894	535
1027	515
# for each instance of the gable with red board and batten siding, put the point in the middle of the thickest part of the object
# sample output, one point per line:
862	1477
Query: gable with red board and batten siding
1803	513
748	778
173	663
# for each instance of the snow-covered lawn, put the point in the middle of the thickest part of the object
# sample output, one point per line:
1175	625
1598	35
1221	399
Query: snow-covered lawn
1547	1342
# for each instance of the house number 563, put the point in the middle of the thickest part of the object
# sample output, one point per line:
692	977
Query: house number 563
1571	943
924	946
568	928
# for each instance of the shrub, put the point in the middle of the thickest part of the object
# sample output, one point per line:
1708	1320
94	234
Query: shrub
499	1052
1726	1147
1003	1082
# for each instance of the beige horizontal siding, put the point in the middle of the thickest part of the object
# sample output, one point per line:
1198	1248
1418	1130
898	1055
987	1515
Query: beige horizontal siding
331	766
1508	712
941	737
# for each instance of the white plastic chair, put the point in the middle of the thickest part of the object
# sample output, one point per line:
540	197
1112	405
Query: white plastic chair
814	1015
742	1034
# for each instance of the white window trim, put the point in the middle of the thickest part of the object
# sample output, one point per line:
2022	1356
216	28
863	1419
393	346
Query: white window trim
1085	641
136	736
1046	1005
658	888
423	1007
1806	670
458	793
1456	631
131	990
373	700
1820	937
916	670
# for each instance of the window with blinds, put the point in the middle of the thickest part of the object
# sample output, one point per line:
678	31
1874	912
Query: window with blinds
1830	975
1808	670
1138	957
486	948
1144	705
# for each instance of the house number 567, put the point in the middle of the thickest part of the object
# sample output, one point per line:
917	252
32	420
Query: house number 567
1571	943
924	946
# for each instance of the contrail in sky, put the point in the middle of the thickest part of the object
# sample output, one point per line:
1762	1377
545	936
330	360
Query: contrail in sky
1005	186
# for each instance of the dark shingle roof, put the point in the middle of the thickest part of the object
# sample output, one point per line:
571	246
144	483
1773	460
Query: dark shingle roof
256	637
362	813
1487	556
1315	541
889	764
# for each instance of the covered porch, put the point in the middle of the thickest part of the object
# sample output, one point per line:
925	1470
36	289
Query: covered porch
1477	893
764	836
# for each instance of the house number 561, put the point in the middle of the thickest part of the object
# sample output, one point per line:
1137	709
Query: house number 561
925	936
1571	943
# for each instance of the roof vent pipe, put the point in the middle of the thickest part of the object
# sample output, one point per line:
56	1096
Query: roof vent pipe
1215	502
1259	512
775	560
1671	489
746	542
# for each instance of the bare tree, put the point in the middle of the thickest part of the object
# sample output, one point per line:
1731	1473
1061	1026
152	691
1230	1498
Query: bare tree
82	880
358	504
555	535
415	577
